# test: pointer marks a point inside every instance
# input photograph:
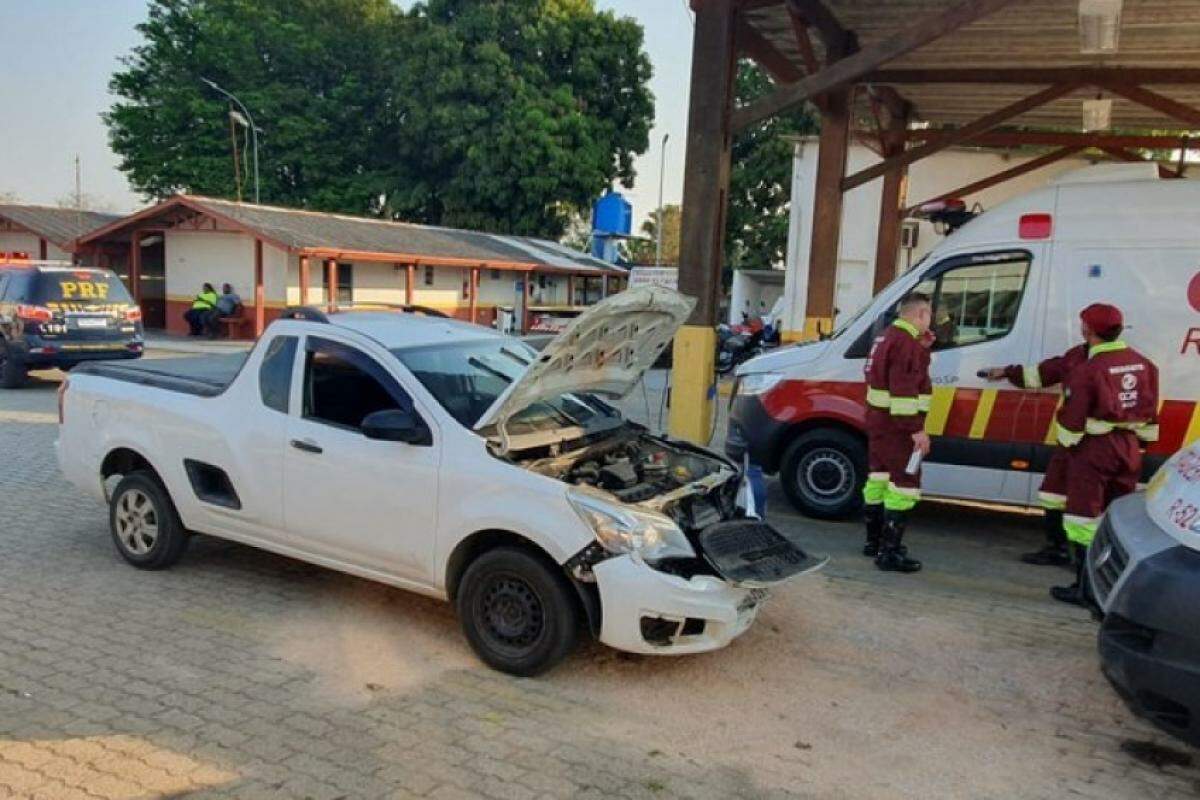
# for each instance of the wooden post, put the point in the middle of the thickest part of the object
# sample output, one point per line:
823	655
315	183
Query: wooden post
42	249
571	289
474	289
891	201
525	289
705	192
827	214
135	268
304	280
410	277
260	300
331	273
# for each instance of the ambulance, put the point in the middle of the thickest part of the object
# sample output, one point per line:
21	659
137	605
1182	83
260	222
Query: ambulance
1007	288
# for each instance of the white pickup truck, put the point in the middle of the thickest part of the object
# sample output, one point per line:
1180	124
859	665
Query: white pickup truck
446	459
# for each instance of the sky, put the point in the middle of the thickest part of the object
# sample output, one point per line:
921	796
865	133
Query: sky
59	54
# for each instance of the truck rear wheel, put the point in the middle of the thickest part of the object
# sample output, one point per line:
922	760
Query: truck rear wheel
145	526
823	472
518	615
12	369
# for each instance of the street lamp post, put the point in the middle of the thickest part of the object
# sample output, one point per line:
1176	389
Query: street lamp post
658	226
251	125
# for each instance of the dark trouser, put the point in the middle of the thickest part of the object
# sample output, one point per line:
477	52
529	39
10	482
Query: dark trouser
197	319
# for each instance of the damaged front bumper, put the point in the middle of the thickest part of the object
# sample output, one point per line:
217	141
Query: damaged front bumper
645	610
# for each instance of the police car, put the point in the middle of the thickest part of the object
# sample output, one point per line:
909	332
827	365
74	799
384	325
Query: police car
58	315
1144	566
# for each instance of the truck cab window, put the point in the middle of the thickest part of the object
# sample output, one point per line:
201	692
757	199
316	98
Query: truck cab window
275	374
342	385
976	301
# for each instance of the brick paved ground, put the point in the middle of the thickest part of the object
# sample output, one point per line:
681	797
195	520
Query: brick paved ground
242	674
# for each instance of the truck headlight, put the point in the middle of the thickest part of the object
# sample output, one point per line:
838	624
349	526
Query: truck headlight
623	529
757	383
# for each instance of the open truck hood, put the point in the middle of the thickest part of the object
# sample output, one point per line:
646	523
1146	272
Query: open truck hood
604	350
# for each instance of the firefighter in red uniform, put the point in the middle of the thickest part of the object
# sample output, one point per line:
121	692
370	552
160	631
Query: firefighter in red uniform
1109	414
898	394
1052	495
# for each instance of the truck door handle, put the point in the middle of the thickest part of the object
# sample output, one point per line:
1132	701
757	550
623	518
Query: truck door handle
307	445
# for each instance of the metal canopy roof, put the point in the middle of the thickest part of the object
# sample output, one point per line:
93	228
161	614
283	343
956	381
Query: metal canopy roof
1028	35
362	238
58	225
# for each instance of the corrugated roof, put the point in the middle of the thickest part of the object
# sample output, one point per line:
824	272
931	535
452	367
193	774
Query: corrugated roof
1030	34
58	225
310	231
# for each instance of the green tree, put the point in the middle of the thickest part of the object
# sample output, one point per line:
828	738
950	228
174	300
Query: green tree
761	177
514	115
644	251
313	73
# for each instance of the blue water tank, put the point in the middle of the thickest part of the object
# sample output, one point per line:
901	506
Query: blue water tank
612	213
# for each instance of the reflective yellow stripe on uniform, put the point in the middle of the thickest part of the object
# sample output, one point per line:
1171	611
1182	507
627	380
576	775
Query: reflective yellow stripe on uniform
1031	376
900	498
1080	530
875	489
879	398
904	406
1146	431
923	402
1051	501
1067	438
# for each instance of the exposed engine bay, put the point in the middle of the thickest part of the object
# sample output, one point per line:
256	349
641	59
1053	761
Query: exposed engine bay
690	486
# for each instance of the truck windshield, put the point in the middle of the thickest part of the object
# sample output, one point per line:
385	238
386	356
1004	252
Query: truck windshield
79	289
467	377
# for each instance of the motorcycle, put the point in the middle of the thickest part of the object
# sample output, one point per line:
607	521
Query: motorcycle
736	345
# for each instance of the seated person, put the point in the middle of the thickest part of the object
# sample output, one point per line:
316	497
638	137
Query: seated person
226	306
202	307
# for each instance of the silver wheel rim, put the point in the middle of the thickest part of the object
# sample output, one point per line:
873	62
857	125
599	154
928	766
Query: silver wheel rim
137	522
826	475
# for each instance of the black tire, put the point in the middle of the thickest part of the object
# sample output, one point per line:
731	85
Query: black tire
138	502
823	472
12	369
519	614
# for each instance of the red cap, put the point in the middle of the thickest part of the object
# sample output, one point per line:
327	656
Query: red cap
1102	318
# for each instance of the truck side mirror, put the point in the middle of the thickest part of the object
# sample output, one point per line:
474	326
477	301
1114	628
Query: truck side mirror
397	425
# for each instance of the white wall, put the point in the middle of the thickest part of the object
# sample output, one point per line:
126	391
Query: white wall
196	257
927	178
29	243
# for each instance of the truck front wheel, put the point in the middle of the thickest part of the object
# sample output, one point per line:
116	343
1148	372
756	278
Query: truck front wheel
145	526
823	472
519	616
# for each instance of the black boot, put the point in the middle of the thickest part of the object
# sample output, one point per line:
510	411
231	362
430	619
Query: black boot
892	553
873	516
1055	553
1073	594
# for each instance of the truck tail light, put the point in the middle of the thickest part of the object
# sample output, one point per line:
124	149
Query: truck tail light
133	314
1035	226
34	313
62	397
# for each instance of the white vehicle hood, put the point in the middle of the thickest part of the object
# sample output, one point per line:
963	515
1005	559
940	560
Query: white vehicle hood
604	350
785	358
1173	496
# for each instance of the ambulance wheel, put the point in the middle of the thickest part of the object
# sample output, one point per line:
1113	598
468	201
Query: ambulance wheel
823	472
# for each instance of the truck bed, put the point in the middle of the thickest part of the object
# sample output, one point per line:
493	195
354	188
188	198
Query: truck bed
204	376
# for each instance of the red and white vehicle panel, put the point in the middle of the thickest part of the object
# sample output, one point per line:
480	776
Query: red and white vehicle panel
1007	289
